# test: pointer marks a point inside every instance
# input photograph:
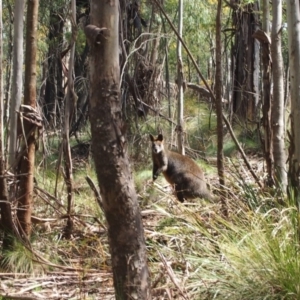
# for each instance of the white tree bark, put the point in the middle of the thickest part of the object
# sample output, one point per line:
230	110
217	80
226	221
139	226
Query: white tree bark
69	110
267	93
266	16
293	20
17	82
277	115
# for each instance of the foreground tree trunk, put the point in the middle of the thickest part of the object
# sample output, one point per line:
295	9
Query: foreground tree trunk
125	229
293	18
29	121
277	115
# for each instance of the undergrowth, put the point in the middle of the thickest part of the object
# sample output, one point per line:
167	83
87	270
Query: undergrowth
195	251
249	254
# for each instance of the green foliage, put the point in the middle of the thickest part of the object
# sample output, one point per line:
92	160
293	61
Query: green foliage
167	222
198	32
81	41
141	177
148	191
18	260
260	257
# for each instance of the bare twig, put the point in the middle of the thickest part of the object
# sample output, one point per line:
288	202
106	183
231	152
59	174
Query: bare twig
96	191
172	276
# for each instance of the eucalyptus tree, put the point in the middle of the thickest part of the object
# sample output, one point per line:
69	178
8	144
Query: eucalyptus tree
219	94
180	82
53	68
5	207
69	107
264	37
278	108
31	121
245	58
293	20
1	79
8	20
17	79
125	228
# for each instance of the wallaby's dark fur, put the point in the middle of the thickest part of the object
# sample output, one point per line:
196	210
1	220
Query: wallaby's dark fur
180	171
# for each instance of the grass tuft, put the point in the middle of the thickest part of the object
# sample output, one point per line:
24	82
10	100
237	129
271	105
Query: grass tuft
248	255
19	260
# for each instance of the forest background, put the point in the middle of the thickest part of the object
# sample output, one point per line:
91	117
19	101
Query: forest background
83	83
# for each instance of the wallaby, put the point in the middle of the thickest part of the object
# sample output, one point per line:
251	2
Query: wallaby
180	171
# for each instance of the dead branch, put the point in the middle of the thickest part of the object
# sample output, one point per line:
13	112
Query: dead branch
201	90
96	191
37	220
157	112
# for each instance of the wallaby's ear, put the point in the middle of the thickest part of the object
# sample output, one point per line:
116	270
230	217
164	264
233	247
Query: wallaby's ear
160	137
151	137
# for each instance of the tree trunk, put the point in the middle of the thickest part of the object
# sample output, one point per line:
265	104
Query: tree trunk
265	40
54	91
1	82
125	229
8	58
69	109
277	115
79	118
218	89
17	79
180	121
6	216
155	47
293	18
245	61
28	152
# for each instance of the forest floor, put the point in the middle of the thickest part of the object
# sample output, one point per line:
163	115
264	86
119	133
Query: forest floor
79	268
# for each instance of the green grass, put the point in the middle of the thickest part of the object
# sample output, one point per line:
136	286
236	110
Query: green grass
19	260
249	255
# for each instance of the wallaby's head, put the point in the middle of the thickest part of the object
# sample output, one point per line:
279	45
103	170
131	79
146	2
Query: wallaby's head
157	143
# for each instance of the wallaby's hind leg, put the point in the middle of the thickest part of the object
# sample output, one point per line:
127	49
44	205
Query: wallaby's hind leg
179	195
